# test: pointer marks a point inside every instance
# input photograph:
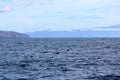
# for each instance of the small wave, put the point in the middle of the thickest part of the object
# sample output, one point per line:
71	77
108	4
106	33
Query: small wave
105	77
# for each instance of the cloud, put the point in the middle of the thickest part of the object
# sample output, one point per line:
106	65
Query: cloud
9	4
59	14
27	2
66	3
85	3
5	8
13	2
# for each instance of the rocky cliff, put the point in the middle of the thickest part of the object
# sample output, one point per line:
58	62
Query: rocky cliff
11	34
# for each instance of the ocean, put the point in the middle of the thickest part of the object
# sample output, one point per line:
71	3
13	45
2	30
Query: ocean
60	59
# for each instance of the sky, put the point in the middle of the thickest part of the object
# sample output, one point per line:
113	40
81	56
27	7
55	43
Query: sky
57	15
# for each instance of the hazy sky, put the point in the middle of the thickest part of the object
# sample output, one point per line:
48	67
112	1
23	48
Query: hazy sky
37	15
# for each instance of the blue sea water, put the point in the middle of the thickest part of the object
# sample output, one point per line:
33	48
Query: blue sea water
60	59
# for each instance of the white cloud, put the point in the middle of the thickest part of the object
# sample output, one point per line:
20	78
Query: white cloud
5	8
65	4
84	3
14	2
60	14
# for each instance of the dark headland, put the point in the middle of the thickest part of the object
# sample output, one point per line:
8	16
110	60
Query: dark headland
12	34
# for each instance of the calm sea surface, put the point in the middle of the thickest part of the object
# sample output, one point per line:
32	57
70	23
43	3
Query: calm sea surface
60	59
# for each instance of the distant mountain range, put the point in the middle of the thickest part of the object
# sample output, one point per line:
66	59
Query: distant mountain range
112	31
11	34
